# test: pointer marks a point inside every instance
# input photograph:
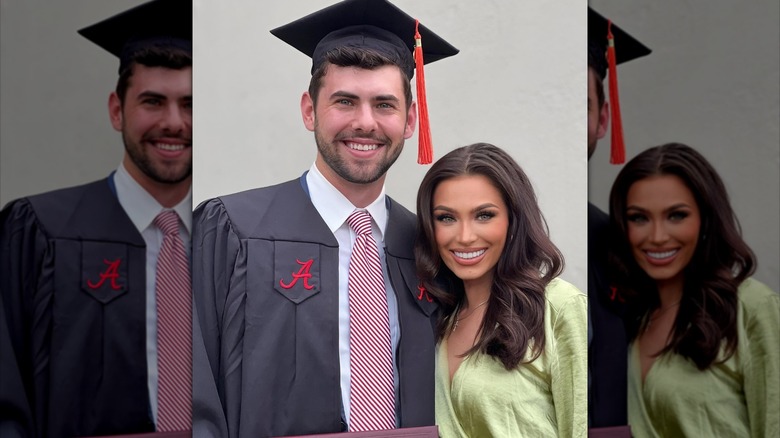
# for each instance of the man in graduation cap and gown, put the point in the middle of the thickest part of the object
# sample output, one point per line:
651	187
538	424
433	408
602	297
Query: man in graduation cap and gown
607	352
89	281
309	315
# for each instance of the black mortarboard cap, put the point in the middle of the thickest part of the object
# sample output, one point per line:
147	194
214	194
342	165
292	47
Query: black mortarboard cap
164	23
626	46
373	24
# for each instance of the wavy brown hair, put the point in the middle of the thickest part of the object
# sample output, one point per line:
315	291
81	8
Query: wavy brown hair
721	261
514	318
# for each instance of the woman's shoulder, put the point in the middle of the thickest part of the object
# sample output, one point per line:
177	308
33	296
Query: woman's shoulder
758	323
560	293
755	295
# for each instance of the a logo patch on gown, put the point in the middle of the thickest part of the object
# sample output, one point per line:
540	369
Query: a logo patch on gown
304	273
296	270
104	270
423	293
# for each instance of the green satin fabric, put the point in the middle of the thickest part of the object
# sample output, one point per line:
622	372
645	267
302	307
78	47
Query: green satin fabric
738	398
545	398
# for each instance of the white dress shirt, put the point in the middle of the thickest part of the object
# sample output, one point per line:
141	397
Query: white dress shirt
142	208
335	208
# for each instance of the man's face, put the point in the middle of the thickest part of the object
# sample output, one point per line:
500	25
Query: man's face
598	116
156	124
360	123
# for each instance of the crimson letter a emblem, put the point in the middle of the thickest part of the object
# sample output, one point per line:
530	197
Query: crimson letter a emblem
111	272
302	273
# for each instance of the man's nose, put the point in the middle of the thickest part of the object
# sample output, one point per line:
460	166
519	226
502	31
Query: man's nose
364	119
175	119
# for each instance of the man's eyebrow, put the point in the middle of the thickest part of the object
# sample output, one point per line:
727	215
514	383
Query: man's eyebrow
386	97
377	98
345	94
153	94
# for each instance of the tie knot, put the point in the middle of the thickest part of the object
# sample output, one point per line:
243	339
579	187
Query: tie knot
168	222
360	221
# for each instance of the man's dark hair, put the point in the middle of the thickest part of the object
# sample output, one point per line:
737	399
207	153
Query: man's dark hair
355	57
152	56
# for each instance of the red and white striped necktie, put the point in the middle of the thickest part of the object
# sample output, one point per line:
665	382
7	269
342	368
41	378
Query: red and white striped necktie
371	389
174	329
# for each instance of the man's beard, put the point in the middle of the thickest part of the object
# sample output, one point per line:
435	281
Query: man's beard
161	174
357	174
591	150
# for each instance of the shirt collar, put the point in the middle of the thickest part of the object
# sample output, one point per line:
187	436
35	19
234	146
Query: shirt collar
141	207
335	208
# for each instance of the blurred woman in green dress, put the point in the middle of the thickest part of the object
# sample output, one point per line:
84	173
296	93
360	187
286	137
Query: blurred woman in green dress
704	358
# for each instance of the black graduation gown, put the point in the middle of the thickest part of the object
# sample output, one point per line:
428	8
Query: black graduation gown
73	291
608	349
265	352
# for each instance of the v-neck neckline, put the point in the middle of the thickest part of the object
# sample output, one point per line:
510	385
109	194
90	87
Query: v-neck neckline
637	359
445	358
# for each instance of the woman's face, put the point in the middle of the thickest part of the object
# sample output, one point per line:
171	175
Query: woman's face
663	225
470	226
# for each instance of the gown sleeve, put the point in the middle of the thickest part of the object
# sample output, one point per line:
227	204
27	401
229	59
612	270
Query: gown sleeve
218	278
25	258
15	413
762	371
570	367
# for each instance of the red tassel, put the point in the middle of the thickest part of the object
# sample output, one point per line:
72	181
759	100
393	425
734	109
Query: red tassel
425	148
618	147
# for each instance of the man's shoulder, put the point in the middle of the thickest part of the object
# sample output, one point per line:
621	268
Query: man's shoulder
598	229
399	212
401	230
596	217
274	211
54	208
60	198
252	199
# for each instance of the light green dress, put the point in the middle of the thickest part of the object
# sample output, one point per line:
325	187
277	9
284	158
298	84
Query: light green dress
546	398
738	398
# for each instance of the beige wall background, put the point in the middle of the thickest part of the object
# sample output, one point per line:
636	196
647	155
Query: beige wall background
712	82
54	88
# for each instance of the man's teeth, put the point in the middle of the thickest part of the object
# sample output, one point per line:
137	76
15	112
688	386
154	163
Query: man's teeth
362	147
469	255
169	147
661	255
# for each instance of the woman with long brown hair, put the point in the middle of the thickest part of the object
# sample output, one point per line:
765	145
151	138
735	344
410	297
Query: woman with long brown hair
512	337
705	352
